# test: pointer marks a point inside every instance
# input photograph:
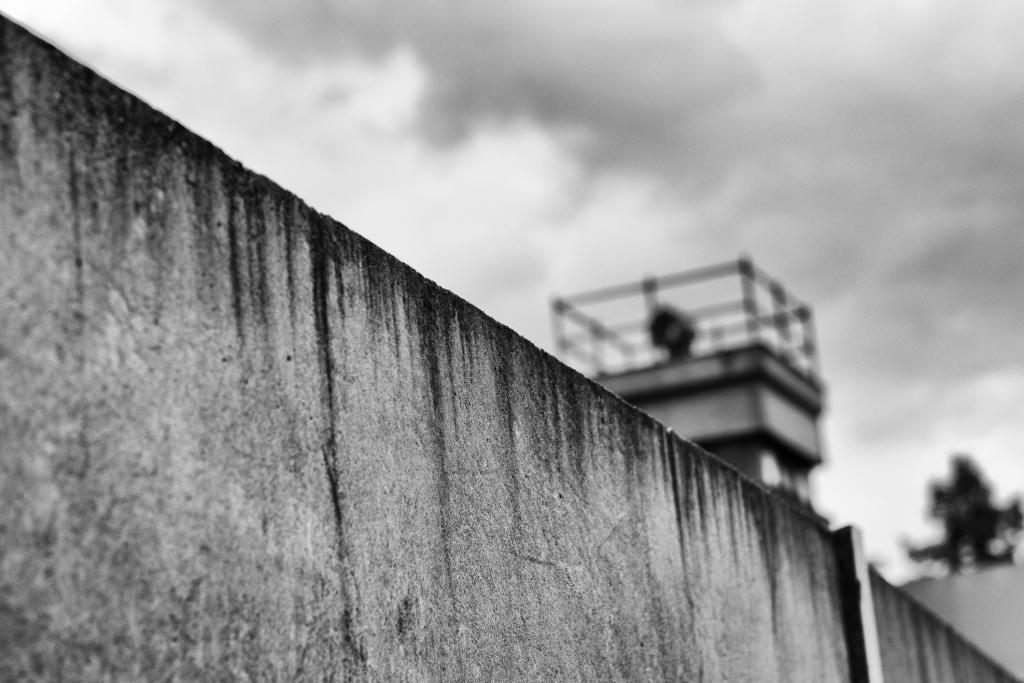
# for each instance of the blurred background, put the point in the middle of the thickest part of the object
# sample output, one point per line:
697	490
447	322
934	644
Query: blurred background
869	154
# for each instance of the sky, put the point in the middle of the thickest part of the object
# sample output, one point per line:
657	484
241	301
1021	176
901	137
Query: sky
868	153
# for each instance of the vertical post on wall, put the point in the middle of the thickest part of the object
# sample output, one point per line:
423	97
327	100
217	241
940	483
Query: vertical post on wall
859	624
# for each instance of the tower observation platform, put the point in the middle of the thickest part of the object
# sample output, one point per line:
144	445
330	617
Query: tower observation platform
724	354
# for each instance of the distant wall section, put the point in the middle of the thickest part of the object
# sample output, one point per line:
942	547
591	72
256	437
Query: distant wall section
918	646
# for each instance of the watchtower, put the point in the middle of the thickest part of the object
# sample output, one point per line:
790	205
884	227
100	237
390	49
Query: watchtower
724	355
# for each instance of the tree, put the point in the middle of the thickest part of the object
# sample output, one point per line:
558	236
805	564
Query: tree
976	532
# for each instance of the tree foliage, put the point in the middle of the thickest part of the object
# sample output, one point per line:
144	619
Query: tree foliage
976	531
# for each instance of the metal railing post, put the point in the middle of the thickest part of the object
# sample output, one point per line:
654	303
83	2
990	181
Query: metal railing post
810	346
746	270
557	308
781	317
649	286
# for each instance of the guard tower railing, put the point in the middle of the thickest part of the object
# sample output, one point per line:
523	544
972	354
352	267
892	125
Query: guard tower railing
733	305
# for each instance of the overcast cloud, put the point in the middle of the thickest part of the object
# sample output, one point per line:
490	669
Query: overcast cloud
870	154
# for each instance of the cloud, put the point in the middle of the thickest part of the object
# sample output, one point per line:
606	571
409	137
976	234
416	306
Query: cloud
627	83
839	135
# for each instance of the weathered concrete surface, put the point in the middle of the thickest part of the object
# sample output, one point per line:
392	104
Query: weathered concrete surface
917	646
986	606
239	441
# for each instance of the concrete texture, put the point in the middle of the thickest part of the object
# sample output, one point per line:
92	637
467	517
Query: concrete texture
238	441
986	606
918	646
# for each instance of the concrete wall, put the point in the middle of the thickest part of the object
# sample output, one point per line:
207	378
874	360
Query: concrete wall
986	606
237	441
918	646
